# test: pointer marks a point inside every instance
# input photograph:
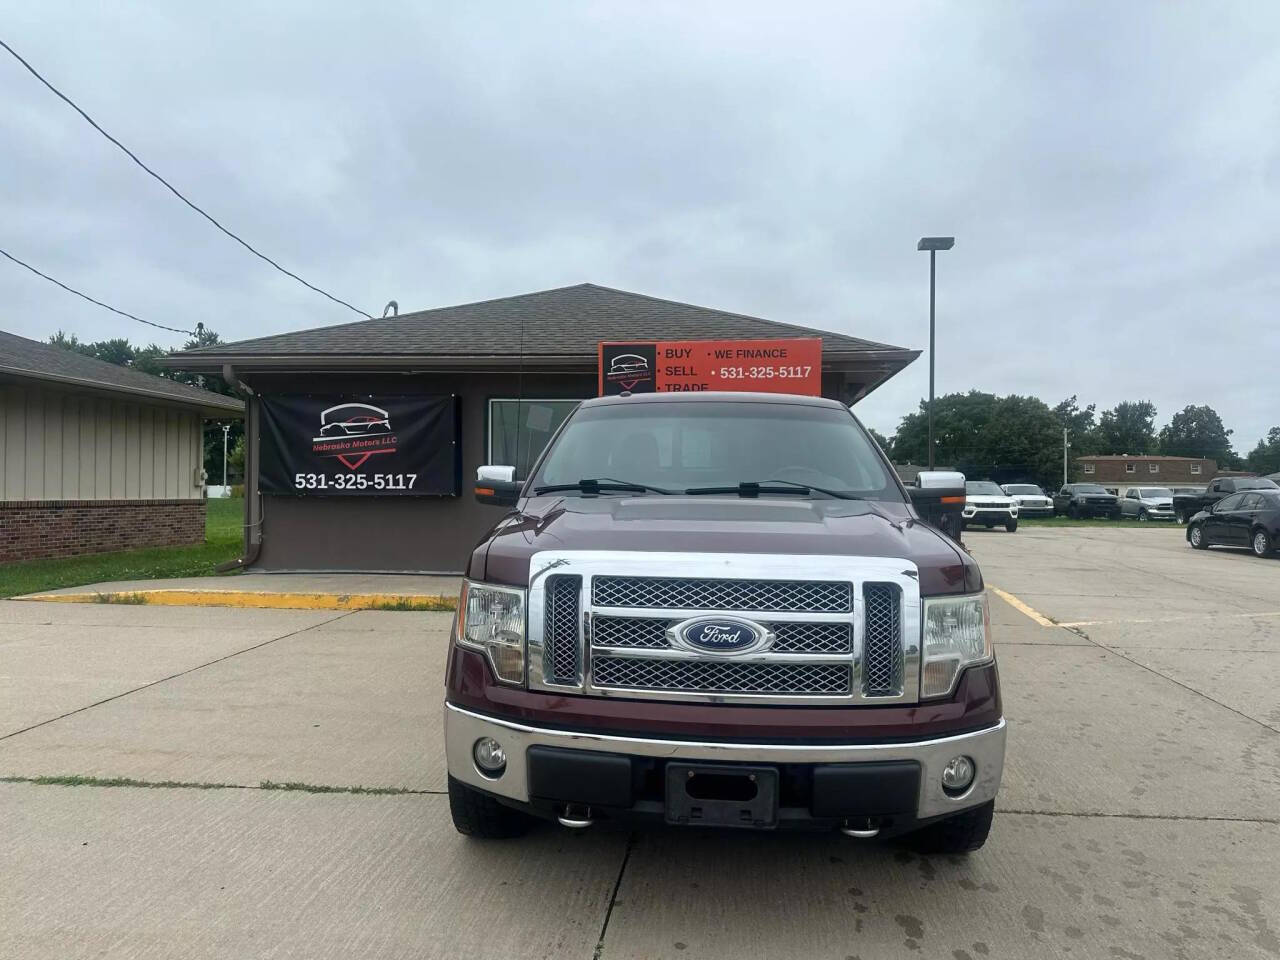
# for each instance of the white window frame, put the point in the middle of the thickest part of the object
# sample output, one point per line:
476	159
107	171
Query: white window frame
1130	468
1195	468
1088	468
488	426
1153	468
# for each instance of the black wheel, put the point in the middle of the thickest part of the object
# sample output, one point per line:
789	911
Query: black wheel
963	833
1072	513
1011	526
1261	542
1180	516
1142	515
478	815
1197	538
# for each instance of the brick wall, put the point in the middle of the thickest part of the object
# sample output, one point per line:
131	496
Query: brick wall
30	529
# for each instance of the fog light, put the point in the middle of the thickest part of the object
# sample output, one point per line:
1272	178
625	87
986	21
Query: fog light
490	757
957	775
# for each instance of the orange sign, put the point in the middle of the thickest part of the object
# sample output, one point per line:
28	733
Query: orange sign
767	366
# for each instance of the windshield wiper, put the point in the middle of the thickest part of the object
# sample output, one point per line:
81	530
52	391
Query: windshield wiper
748	488
596	485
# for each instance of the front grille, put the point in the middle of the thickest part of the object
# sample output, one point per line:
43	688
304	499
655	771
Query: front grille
992	506
719	676
561	652
882	640
651	633
685	593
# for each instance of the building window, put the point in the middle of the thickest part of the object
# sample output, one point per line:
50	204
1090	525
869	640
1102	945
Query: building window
1130	468
1088	468
1195	468
1153	468
523	425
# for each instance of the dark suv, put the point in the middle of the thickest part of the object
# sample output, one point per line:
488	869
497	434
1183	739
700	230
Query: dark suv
721	610
1086	500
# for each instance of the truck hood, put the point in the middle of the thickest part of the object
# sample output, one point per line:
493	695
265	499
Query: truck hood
844	528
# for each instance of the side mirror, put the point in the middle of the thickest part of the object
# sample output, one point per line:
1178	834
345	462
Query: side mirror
497	485
938	487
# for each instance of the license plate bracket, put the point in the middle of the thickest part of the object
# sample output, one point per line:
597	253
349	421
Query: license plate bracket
720	795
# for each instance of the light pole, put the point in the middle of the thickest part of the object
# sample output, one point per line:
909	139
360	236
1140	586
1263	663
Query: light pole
933	245
226	429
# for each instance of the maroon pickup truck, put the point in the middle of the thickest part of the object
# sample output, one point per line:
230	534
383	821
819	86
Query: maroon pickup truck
721	610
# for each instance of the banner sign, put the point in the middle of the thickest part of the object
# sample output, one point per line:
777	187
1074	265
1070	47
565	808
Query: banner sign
346	445
769	366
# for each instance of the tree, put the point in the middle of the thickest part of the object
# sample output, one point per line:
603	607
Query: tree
1130	427
1003	438
885	443
1265	457
1198	432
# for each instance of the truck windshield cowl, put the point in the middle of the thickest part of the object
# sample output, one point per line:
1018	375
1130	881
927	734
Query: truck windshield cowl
704	446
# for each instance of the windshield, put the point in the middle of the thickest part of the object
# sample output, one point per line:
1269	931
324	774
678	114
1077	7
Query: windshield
982	488
1155	493
1026	489
675	446
1089	488
1258	483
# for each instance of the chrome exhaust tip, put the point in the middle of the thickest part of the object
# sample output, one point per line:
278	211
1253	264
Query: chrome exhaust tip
575	818
864	831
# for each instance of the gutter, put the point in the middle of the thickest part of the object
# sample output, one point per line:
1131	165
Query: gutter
250	555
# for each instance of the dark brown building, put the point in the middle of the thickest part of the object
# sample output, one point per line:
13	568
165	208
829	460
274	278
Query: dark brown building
460	371
1123	471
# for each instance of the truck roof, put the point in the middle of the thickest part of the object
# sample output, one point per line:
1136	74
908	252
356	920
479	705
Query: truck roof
711	396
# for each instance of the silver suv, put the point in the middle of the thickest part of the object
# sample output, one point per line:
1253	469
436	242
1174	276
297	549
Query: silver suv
1147	503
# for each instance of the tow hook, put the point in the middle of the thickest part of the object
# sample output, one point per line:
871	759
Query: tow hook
864	828
575	817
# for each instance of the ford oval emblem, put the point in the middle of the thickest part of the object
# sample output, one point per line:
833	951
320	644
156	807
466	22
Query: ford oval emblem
721	634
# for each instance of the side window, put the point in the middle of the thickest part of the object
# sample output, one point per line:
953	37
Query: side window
1229	503
1195	468
1130	468
1251	501
1153	467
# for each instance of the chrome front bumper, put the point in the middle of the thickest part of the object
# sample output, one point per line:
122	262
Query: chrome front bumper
462	728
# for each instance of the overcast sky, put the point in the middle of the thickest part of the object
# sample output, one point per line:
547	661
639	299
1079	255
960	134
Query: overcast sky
1111	173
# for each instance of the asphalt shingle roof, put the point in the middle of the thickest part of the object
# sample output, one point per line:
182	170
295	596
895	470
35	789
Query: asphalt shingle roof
565	322
31	359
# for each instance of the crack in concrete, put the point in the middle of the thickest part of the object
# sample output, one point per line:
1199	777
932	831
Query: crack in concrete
613	897
75	780
173	676
1267	821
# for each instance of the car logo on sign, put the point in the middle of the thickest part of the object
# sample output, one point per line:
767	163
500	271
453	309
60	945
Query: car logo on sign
720	635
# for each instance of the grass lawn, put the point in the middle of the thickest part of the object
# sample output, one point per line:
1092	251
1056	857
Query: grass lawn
222	542
1096	522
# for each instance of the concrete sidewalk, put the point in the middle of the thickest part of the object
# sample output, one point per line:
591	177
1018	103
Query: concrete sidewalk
288	591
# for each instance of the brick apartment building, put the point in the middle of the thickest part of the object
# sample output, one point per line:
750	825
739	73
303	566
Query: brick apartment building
97	457
1122	471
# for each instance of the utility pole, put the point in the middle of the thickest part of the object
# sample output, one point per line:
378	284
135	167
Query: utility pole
226	429
1065	445
933	245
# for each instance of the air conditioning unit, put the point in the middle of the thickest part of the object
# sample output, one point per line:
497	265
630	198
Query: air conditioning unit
198	476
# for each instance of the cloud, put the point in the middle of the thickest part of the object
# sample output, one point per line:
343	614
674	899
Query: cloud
1110	173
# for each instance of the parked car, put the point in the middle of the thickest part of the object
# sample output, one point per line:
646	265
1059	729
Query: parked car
779	646
1077	500
1185	506
1031	500
1147	503
1250	519
986	504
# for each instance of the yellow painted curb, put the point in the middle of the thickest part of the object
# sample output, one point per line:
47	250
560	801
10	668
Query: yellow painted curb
255	599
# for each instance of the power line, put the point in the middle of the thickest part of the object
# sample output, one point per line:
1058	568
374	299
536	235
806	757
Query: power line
174	190
84	296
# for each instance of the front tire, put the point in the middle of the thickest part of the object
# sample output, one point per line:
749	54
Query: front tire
1071	513
1197	538
1011	526
1180	516
962	833
1261	543
1142	515
476	814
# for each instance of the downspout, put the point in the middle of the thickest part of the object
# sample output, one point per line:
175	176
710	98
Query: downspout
252	545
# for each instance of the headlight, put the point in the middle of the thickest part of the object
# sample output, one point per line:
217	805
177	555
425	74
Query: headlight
957	633
491	620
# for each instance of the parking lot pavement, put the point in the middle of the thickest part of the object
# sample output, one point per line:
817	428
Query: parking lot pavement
1140	815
